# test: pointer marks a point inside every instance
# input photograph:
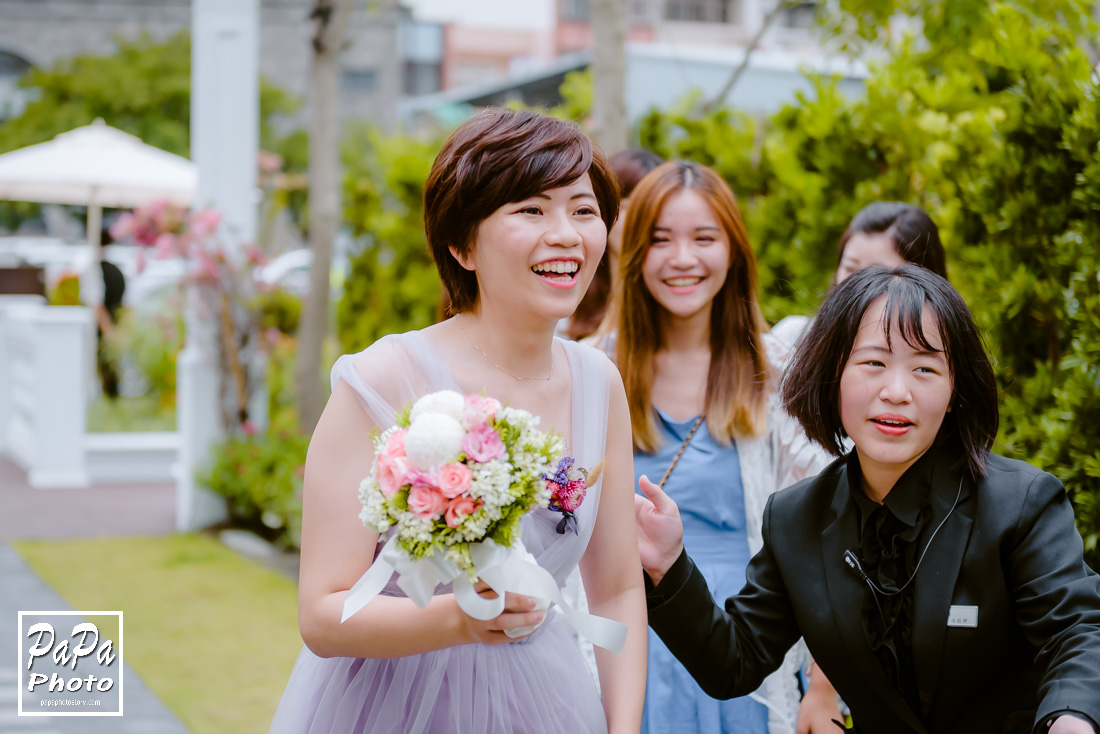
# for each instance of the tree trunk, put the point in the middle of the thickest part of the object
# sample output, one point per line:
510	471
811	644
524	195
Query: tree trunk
331	17
609	26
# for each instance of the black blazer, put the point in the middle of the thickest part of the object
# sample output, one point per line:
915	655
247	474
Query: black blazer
1010	548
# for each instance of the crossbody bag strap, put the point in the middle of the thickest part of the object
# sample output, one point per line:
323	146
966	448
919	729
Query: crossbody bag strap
683	447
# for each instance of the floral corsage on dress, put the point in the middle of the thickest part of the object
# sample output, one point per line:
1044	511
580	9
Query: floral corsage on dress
568	486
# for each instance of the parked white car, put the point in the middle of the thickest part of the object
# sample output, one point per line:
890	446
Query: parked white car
290	271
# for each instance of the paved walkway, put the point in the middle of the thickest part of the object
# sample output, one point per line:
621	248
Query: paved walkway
103	510
27	513
21	589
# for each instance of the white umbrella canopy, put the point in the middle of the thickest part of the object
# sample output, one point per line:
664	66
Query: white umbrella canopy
96	166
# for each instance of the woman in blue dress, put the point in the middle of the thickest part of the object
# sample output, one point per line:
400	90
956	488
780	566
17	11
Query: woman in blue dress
700	371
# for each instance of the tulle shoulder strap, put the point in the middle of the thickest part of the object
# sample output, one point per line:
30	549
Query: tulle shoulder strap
392	372
591	371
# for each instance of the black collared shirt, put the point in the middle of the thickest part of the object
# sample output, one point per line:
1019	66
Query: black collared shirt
892	538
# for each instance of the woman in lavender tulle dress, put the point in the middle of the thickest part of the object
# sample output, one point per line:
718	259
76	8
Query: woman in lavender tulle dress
517	211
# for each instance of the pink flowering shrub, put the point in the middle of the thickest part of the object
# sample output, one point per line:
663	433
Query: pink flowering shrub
227	290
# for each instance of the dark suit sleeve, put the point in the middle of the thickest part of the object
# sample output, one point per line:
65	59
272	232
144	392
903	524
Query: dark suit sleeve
1057	602
728	651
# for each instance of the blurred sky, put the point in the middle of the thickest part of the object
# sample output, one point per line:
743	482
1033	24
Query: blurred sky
527	14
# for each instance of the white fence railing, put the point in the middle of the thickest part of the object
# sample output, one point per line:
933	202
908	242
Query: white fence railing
47	368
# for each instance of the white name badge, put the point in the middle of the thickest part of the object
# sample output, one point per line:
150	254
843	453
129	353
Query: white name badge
962	616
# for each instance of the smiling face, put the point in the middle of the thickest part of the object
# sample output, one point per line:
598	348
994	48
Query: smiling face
537	256
688	257
893	398
865	249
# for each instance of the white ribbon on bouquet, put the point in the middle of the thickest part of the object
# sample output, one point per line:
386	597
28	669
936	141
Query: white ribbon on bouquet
505	570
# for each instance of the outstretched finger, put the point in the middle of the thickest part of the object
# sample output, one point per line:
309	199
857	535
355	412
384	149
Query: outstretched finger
661	501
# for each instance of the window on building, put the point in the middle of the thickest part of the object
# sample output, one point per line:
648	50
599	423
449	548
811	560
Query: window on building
800	15
575	10
702	11
422	77
359	80
640	11
422	42
12	98
12	65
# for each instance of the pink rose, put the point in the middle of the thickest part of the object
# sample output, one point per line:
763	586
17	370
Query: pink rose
417	478
459	509
395	444
426	503
482	444
478	410
454	479
391	473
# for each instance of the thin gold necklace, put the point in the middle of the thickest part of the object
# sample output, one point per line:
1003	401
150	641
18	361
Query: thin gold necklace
501	368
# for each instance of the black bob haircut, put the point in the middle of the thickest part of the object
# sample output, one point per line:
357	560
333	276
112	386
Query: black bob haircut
811	385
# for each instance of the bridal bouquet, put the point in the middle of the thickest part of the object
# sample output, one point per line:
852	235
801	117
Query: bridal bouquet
456	471
453	479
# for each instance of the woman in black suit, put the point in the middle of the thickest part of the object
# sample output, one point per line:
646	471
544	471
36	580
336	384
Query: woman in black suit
940	587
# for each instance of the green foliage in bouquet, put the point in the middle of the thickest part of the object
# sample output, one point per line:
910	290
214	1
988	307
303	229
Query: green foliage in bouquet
991	122
393	285
527	455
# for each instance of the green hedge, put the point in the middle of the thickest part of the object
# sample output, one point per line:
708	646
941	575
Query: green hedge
393	285
993	126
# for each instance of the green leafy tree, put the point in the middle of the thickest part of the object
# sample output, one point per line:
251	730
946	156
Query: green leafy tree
143	88
990	119
393	285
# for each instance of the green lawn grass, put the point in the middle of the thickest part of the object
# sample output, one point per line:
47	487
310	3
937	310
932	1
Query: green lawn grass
121	415
213	635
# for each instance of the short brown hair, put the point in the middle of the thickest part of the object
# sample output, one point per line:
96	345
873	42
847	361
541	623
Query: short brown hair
630	167
737	382
498	157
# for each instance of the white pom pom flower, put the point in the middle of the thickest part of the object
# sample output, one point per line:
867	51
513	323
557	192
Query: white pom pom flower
446	402
434	439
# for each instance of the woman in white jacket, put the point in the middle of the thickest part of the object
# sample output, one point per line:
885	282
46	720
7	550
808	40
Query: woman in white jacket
700	374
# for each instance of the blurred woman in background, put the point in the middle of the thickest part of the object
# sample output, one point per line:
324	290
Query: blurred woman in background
700	374
886	233
630	166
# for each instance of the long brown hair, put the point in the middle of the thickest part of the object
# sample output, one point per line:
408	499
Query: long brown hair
737	382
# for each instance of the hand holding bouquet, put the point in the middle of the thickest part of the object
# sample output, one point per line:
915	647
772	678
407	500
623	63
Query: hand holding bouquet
454	478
